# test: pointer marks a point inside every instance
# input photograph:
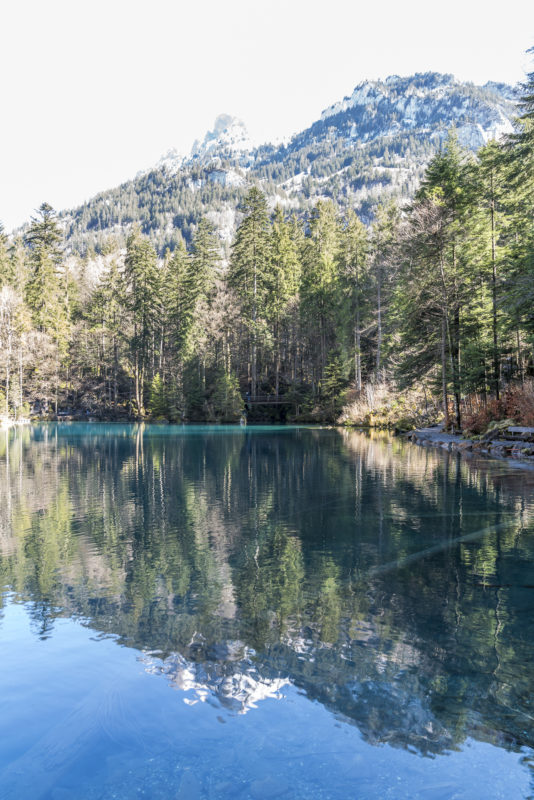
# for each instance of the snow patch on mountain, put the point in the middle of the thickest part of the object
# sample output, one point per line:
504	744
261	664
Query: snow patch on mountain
418	102
171	161
370	93
226	177
224	222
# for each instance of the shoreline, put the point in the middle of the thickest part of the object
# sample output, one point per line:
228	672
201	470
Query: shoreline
517	451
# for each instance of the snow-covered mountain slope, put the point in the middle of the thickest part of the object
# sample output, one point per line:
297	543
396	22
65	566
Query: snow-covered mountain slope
423	103
362	149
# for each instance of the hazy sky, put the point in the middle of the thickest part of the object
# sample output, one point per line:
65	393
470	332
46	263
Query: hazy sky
95	90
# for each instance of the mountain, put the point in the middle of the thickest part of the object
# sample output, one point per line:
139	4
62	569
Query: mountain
365	148
422	103
229	139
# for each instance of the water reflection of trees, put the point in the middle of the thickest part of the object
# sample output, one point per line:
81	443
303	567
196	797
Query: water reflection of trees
272	547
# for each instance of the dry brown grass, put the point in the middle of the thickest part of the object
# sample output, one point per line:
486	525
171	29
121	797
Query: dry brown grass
381	405
516	403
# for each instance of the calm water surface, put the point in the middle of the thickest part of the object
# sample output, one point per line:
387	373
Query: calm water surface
261	613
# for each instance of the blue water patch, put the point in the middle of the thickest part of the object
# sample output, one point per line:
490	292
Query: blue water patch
289	612
85	717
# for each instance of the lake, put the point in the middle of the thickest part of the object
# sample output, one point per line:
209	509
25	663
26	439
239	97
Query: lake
223	612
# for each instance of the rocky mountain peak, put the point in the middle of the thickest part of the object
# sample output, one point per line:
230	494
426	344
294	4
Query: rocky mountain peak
427	103
228	139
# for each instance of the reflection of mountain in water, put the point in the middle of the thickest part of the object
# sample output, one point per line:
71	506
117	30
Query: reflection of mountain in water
249	560
236	685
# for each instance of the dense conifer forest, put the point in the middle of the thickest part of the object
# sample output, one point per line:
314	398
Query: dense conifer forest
435	298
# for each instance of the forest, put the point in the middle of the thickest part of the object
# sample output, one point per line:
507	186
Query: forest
434	297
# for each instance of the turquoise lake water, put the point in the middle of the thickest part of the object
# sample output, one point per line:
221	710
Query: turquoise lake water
286	612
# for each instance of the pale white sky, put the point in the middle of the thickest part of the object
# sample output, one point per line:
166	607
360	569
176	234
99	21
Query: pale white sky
95	90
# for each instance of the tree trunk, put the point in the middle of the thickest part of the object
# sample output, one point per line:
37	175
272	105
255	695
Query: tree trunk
357	350
379	322
8	363
444	369
20	377
254	320
496	371
456	369
137	383
520	359
115	369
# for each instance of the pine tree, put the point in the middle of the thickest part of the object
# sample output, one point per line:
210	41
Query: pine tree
353	265
47	288
226	399
521	142
420	306
205	258
178	317
333	384
284	276
158	397
6	266
143	281
320	285
19	268
447	184
490	186
179	300
249	271
519	152
43	289
383	257
107	319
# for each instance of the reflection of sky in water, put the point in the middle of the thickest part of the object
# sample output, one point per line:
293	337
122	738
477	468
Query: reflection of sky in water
339	616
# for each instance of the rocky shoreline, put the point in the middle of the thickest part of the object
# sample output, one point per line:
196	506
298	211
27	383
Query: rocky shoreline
511	442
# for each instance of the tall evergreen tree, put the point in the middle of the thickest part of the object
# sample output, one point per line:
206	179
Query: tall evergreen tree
320	284
383	257
6	266
143	281
490	186
19	268
47	288
106	316
43	288
519	150
446	183
205	258
283	287
177	318
353	260
200	287
421	299
249	271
